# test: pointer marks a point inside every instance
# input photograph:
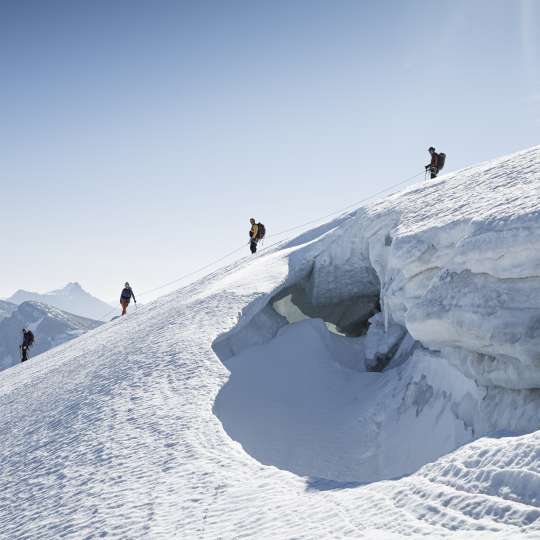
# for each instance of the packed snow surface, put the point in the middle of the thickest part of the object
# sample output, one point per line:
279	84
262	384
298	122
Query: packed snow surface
377	377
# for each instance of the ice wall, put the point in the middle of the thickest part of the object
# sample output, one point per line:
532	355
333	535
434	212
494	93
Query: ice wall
457	262
439	288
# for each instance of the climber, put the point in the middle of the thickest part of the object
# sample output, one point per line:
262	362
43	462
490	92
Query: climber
437	162
125	297
256	233
28	341
433	165
253	235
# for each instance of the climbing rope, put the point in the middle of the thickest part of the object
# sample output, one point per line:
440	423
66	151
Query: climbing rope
274	235
341	210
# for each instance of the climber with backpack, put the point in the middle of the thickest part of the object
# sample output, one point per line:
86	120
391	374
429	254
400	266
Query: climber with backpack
126	296
437	162
256	233
28	341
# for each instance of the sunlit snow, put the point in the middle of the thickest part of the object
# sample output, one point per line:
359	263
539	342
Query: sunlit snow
375	378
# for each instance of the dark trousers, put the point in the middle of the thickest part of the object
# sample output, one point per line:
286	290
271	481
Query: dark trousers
24	353
253	246
434	172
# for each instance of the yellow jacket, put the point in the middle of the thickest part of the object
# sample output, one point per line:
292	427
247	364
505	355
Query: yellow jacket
254	231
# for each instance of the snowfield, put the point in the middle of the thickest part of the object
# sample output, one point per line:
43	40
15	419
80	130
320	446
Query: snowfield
377	377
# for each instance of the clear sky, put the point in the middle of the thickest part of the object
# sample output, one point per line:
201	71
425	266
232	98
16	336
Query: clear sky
137	138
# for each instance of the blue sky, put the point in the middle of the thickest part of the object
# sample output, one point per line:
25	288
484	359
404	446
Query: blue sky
138	137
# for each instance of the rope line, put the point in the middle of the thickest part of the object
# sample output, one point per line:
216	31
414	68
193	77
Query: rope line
274	235
349	206
226	256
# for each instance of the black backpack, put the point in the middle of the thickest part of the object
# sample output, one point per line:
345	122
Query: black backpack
441	160
30	338
261	231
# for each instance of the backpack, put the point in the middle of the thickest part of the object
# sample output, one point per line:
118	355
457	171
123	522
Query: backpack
441	160
126	294
261	231
30	338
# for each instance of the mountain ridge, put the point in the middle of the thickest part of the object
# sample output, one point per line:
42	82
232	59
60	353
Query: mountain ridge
71	298
51	327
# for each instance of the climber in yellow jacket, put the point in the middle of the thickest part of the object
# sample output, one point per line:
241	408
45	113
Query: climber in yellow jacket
253	235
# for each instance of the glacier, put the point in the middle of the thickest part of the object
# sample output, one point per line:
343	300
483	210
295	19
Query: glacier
375	377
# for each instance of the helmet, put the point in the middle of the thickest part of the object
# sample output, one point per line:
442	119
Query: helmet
126	284
431	149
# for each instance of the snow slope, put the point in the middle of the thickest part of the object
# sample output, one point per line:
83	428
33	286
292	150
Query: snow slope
229	410
6	309
72	298
51	327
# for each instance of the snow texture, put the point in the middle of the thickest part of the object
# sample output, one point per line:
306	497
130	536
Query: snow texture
6	309
72	298
228	409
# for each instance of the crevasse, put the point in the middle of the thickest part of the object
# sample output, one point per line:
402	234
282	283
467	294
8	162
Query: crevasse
436	295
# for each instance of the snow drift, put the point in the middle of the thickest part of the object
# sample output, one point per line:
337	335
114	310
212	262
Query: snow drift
396	342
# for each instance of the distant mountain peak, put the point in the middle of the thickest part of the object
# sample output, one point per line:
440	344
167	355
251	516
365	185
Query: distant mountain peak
71	298
73	287
18	291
